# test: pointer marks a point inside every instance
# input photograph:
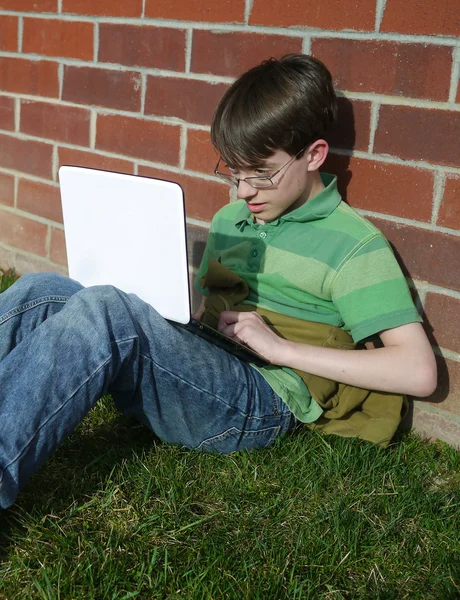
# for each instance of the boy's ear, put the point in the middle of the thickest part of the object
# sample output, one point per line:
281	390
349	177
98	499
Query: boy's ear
317	154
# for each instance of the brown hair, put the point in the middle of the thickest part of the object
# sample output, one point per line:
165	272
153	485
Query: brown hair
283	104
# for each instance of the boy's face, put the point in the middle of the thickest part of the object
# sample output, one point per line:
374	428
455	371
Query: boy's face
292	187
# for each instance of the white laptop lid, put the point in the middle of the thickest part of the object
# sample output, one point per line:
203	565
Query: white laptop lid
127	231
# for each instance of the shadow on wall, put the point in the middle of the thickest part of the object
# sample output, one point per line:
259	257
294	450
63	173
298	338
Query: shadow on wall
343	137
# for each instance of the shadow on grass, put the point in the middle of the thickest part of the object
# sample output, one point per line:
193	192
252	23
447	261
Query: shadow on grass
78	470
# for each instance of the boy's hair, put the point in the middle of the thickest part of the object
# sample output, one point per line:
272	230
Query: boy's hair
283	104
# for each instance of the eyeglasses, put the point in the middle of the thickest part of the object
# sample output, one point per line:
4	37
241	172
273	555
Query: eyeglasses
265	181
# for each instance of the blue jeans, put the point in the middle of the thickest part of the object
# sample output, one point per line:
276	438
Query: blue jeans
63	346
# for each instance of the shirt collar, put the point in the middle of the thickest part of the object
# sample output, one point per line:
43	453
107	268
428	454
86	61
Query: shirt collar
318	207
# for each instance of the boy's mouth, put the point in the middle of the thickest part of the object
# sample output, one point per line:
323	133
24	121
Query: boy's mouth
256	208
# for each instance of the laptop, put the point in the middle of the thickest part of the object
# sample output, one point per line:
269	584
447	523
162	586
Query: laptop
130	232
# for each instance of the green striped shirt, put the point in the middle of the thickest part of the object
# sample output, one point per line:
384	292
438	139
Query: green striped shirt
322	262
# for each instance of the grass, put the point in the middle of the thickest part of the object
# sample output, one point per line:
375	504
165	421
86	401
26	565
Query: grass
116	514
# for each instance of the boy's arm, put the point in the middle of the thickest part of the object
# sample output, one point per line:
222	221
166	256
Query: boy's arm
405	365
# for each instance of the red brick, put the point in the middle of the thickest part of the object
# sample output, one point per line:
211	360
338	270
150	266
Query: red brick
27	156
6	113
384	188
196	10
71	39
40	199
151	47
443	315
8	33
58	252
92	160
202	198
37	78
409	70
419	134
104	8
57	122
358	15
201	155
6	189
23	233
449	212
147	140
187	99
447	394
422	18
231	54
102	87
29	5
426	255
352	129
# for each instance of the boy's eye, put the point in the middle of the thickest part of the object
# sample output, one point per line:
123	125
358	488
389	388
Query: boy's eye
262	172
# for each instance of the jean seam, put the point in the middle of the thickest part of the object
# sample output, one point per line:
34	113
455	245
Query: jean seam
18	456
275	429
32	304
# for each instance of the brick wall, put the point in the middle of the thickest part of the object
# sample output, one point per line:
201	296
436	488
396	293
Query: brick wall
131	86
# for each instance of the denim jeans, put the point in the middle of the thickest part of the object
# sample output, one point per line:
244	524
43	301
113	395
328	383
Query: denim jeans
63	346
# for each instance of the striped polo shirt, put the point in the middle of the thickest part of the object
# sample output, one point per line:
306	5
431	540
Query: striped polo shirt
321	262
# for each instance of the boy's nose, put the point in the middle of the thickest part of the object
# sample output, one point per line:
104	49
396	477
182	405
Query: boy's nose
245	191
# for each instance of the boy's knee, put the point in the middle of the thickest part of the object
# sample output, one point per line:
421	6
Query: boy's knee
50	284
104	297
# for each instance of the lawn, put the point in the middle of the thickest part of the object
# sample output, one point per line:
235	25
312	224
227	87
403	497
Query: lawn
116	514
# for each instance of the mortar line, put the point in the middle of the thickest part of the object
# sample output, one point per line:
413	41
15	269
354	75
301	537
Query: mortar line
198	222
247	10
20	32
143	9
15	192
216	79
59	6
48	243
455	75
379	12
436	289
306	45
188	49
143	92
96	42
92	129
256	29
395	160
30	216
183	147
17	115
438	193
409	222
60	80
55	165
445	353
374	121
388	100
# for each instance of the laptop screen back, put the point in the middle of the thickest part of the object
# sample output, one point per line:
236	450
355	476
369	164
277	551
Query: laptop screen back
127	231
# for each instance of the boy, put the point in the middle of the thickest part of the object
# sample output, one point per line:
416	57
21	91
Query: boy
296	267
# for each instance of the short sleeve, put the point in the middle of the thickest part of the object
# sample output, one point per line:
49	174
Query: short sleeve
370	290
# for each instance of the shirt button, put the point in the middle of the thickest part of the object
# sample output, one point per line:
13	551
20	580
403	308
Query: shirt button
263	234
254	253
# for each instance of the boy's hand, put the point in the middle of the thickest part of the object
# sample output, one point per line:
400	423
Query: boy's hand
250	329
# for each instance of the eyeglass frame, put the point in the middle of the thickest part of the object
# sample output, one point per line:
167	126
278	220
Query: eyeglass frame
236	181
